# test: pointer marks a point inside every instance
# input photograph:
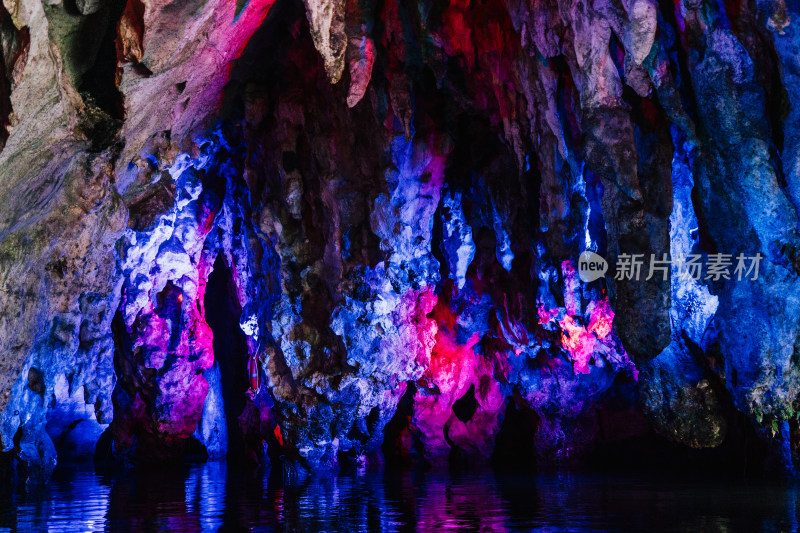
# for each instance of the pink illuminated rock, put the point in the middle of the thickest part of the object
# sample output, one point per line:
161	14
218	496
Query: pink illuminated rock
404	242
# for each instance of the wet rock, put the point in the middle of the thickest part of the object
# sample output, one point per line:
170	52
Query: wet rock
87	7
327	21
402	248
212	430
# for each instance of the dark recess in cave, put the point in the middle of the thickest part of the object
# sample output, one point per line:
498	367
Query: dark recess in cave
130	381
5	90
100	81
401	445
739	458
742	457
466	406
514	445
230	350
15	44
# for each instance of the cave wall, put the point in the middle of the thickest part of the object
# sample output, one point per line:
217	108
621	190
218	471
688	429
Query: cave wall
399	193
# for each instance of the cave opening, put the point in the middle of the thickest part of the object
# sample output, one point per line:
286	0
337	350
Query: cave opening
99	82
230	351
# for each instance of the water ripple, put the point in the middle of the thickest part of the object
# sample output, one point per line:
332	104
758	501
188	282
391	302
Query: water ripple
212	497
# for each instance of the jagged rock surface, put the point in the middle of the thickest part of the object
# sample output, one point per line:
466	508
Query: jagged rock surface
405	243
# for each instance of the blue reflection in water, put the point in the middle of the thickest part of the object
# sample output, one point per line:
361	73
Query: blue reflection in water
205	494
214	497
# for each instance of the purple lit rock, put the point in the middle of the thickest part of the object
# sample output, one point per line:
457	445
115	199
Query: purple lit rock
396	198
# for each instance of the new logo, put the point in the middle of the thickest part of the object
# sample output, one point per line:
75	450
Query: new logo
591	266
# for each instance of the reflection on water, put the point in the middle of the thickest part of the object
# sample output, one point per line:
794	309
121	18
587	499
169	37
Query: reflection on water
211	497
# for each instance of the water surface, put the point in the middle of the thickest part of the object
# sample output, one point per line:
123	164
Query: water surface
214	497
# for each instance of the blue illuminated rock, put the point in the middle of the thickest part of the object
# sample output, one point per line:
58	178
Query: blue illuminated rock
207	241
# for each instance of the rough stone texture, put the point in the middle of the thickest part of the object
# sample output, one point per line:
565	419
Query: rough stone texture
327	21
403	246
64	210
678	391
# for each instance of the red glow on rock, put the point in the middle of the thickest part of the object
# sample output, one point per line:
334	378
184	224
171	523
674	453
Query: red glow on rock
450	358
248	21
483	34
455	368
601	318
545	315
578	342
581	342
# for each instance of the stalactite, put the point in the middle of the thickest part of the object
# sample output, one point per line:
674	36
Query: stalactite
378	210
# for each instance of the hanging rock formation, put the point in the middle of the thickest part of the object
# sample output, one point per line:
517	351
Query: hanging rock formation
391	198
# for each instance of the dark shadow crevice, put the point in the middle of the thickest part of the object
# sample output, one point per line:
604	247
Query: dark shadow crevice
402	446
14	45
230	350
99	83
515	442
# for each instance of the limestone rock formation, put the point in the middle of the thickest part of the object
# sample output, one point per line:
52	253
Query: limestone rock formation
380	206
